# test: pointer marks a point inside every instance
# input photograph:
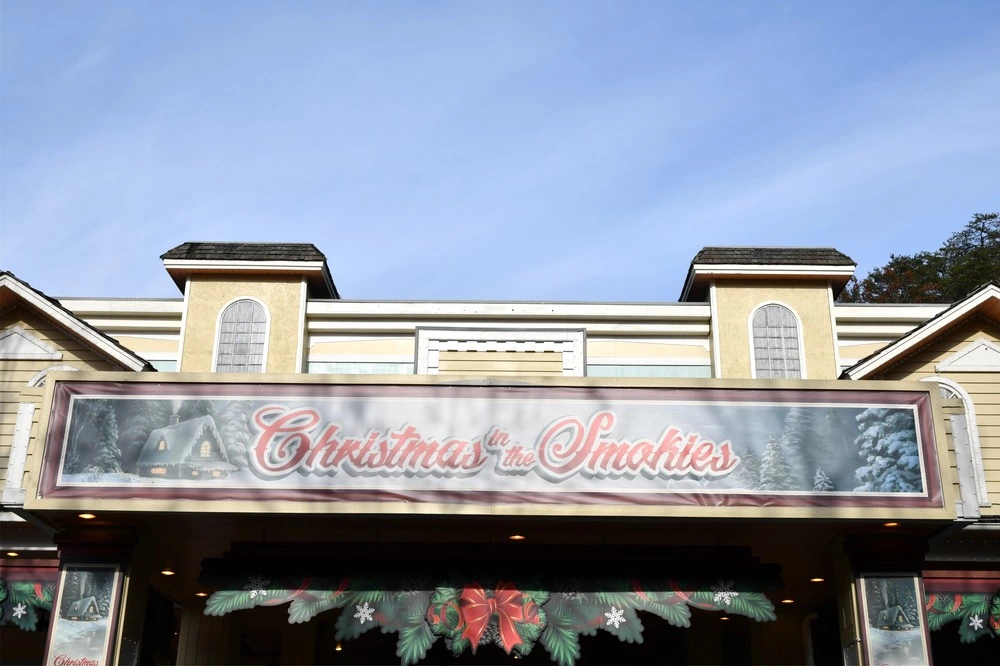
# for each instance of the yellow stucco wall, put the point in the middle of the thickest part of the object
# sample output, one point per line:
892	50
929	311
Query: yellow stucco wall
810	301
207	296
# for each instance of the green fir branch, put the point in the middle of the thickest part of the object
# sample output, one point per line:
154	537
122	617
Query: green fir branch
753	605
562	644
676	615
302	610
224	602
414	642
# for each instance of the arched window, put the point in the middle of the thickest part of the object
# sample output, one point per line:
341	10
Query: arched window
775	343
206	449
949	389
242	337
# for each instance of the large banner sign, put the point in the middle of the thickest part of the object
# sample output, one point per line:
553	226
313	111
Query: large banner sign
483	444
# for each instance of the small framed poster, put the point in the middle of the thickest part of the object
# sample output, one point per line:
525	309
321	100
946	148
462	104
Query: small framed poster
84	616
894	630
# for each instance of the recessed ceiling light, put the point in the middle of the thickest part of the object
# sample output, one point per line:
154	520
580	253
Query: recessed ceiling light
788	601
890	524
167	571
516	537
339	647
723	618
11	553
816	580
87	516
201	594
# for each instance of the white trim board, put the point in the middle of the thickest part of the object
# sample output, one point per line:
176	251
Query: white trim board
432	341
979	356
642	360
17	344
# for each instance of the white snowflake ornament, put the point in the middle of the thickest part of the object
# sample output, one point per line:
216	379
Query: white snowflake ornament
976	622
257	586
616	616
724	592
21	609
365	613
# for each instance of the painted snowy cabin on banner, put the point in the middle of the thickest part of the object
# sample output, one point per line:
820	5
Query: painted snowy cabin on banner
188	449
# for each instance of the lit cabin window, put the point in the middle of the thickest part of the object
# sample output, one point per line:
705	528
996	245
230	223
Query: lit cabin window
159	471
206	449
162	446
242	335
776	343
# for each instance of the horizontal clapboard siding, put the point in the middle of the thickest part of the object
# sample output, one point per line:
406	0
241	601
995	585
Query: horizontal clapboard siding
15	375
983	388
532	364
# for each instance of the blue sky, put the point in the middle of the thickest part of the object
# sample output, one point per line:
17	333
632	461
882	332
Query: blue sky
488	150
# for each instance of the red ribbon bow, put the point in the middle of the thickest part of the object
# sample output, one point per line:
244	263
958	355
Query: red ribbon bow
477	609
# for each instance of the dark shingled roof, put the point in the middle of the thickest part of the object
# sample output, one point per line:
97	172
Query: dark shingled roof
320	282
245	252
822	259
801	256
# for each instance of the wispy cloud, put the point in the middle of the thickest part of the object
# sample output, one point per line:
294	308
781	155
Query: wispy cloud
487	151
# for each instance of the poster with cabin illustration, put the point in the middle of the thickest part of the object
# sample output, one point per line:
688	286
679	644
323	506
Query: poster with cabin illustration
84	616
893	619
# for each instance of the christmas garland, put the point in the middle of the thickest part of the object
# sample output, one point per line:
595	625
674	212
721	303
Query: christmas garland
978	612
510	615
20	602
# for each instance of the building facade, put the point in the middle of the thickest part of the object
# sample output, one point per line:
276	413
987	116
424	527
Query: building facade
260	471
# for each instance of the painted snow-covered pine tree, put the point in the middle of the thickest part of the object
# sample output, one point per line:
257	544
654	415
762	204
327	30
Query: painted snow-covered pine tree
775	473
85	413
797	440
234	427
108	457
192	409
821	482
748	473
144	416
888	449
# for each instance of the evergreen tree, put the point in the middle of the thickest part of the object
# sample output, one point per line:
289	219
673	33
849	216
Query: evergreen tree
972	255
143	417
102	594
108	457
192	409
888	449
775	473
748	474
968	259
798	441
84	414
72	591
821	482
235	429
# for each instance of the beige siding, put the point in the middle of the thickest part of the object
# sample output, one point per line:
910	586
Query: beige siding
651	349
982	387
501	363
16	374
355	346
